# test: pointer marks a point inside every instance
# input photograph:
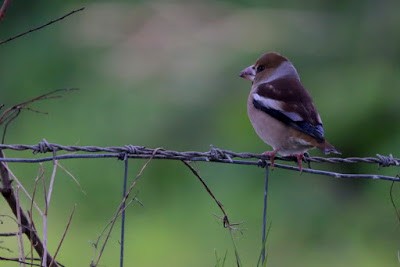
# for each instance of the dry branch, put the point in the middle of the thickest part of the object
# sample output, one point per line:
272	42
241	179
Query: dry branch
25	224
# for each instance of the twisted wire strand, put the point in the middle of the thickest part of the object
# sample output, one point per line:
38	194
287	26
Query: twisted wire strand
213	155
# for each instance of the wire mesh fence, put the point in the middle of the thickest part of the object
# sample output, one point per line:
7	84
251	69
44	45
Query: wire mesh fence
11	187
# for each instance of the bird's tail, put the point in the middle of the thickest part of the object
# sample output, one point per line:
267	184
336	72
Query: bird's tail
328	148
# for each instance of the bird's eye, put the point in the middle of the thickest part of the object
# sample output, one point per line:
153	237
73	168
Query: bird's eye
260	68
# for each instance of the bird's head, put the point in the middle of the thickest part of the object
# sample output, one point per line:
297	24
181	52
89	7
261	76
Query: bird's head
268	67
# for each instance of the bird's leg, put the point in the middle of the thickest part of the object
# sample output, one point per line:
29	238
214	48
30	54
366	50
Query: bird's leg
299	158
271	155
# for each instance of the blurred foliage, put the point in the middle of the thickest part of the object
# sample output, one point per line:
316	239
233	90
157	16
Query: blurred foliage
165	74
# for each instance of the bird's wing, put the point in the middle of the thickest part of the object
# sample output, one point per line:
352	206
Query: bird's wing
288	101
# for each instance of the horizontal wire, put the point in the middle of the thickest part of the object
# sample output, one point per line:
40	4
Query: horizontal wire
213	155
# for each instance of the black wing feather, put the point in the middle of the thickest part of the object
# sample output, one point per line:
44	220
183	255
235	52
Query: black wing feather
316	131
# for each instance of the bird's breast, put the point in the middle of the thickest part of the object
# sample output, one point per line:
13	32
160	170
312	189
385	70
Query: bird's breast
270	130
273	132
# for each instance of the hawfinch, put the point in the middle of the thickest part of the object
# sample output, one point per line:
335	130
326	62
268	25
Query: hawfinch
281	110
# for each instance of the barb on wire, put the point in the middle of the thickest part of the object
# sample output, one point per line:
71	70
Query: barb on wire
223	156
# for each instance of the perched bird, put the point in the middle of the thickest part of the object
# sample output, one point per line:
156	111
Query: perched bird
281	110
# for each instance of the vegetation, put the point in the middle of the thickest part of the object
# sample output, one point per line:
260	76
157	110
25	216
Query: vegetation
166	75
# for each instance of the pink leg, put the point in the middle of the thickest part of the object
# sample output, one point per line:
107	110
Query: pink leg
299	158
271	155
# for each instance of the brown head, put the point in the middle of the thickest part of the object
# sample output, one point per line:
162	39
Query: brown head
269	66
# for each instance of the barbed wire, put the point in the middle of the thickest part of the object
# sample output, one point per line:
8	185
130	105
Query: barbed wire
213	155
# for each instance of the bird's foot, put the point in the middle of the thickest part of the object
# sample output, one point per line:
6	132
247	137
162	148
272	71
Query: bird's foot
299	158
271	155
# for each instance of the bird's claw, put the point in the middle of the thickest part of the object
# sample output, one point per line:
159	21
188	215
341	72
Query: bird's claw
299	158
271	155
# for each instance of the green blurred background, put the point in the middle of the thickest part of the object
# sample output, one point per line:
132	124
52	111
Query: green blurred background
165	74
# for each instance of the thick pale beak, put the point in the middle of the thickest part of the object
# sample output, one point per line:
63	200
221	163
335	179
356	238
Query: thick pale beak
248	73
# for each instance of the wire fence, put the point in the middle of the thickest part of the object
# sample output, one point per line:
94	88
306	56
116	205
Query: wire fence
124	153
213	155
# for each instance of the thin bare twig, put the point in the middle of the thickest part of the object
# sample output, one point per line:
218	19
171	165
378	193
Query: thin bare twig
237	257
225	219
20	240
10	114
51	185
46	211
9	195
64	234
119	211
8	119
39	177
72	177
11	218
103	232
16	180
19	261
6	249
42	26
394	202
9	234
44	222
221	207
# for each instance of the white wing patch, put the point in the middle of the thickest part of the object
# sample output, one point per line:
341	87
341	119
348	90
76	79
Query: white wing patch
319	119
303	142
277	105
